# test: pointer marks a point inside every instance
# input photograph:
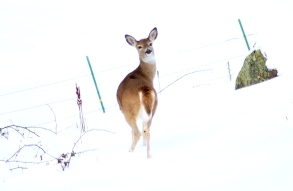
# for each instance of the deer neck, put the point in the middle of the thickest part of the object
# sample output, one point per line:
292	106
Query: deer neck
148	69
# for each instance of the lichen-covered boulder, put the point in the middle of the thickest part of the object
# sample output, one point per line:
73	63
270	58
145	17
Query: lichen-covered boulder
254	70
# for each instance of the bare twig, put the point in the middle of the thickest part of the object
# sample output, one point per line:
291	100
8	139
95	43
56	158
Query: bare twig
72	154
63	159
201	85
26	128
45	129
54	117
184	76
30	145
28	162
85	151
18	168
18	131
11	160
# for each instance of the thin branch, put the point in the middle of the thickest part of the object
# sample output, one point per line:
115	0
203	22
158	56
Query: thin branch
28	162
17	131
201	85
182	77
26	128
54	116
86	133
18	168
85	151
45	129
63	159
72	151
30	145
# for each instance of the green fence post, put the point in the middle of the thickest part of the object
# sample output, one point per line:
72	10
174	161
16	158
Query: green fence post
88	60
244	34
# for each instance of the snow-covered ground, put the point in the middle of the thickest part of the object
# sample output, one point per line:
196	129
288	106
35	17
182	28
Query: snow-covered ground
204	136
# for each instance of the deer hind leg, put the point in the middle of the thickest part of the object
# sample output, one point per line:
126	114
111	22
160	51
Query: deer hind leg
135	135
146	135
144	139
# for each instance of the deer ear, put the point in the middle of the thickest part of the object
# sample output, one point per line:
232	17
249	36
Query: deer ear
131	40
153	34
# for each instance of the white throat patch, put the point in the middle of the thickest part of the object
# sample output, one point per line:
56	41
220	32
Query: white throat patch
150	59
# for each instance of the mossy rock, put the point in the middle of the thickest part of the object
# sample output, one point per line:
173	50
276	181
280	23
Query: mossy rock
254	70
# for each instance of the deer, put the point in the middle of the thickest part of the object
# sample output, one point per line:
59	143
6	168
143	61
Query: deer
136	95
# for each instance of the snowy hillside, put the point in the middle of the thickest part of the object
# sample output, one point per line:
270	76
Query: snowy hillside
204	136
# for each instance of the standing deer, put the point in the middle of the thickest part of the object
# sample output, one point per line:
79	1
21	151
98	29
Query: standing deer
136	95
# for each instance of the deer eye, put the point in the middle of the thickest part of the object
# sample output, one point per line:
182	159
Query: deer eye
139	47
151	44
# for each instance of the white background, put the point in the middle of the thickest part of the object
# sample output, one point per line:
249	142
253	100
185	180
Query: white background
205	135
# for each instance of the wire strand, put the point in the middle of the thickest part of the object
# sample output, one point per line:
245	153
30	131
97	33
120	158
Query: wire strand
60	101
110	69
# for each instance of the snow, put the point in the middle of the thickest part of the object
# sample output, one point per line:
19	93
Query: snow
204	136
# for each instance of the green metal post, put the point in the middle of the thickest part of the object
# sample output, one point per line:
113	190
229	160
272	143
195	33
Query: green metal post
244	34
88	60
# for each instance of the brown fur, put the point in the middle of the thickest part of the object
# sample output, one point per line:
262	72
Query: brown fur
147	98
139	81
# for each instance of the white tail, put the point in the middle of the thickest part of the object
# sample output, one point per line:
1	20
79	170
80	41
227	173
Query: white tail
136	95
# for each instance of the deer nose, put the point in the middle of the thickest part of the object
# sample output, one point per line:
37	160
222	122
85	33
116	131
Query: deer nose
148	51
